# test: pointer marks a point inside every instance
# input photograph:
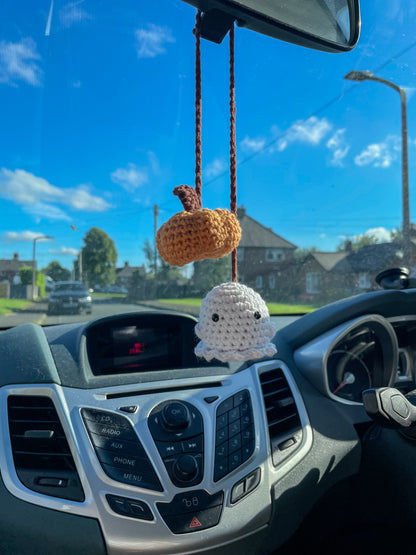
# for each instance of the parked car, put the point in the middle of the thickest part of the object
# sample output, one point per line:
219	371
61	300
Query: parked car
69	296
115	289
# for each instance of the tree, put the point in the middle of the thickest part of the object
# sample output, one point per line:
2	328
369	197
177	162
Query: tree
162	271
397	234
26	275
99	258
358	242
302	253
56	271
211	272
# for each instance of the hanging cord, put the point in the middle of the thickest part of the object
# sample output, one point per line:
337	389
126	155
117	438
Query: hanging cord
198	106
233	151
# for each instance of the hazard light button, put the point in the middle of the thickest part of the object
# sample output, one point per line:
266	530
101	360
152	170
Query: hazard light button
193	522
192	511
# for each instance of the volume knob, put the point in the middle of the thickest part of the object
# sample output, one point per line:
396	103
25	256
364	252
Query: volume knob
185	468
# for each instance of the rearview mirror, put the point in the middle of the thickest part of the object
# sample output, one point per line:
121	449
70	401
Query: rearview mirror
329	25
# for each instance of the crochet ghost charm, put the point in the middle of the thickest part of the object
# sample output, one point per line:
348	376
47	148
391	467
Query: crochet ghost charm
234	324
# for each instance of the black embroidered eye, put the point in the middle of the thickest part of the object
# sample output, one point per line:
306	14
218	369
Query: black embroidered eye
215	317
257	315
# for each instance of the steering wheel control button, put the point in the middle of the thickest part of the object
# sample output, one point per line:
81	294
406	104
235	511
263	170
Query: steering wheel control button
234	435
119	449
399	406
192	511
175	416
245	486
129	507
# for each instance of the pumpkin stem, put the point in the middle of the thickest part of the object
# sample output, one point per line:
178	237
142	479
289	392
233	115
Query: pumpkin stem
188	197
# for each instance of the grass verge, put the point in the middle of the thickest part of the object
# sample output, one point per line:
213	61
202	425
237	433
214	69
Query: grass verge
10	305
108	295
274	308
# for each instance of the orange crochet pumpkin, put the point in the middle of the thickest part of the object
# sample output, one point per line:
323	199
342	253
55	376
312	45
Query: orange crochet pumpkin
197	233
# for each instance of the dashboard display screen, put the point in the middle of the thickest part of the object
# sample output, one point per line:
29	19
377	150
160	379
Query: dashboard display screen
132	348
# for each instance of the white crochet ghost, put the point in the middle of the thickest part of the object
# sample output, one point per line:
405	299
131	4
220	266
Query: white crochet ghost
234	324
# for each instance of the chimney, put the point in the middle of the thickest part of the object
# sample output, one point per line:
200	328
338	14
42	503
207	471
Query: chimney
16	256
348	246
126	264
241	211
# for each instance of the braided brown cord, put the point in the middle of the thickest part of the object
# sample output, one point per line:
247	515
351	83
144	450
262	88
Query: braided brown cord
198	106
233	151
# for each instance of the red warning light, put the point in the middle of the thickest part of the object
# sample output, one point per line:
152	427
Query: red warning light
137	349
195	523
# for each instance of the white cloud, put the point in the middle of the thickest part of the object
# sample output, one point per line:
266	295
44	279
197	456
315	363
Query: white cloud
45	211
253	144
131	177
81	199
339	147
380	155
73	13
310	131
18	62
21	236
214	168
66	251
380	233
38	196
151	41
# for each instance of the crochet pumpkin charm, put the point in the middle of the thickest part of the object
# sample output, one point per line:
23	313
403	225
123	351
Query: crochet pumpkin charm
234	324
197	233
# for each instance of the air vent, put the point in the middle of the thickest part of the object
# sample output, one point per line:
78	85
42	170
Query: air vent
283	419
41	453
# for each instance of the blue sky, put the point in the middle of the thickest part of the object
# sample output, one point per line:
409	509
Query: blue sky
97	125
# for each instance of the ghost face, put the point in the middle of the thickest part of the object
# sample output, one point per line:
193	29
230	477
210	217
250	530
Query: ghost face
234	324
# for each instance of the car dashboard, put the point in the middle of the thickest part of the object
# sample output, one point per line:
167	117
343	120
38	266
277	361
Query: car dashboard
118	438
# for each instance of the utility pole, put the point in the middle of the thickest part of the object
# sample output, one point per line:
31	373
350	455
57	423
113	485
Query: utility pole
155	214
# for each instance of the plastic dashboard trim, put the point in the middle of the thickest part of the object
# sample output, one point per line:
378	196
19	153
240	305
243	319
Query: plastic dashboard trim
127	532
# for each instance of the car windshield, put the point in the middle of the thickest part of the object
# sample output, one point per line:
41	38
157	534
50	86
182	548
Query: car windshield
68	287
97	104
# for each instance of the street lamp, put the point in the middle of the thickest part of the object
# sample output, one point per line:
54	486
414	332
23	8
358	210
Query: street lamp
39	237
368	76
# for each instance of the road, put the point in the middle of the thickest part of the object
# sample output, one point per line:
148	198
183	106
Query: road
37	314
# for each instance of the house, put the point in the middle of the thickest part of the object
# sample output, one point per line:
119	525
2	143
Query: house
9	268
265	259
124	275
327	276
316	277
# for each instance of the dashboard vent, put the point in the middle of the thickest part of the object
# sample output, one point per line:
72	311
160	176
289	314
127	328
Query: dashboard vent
285	429
41	453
